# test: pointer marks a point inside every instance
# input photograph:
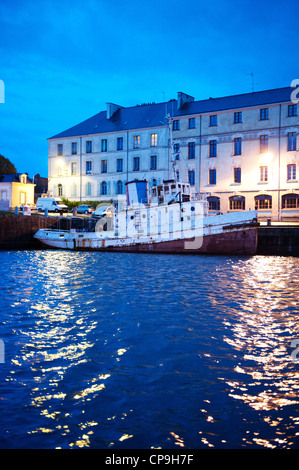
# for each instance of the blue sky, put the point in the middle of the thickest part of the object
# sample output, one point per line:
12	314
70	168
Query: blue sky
62	61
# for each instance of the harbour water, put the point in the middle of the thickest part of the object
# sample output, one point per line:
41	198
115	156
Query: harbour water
137	351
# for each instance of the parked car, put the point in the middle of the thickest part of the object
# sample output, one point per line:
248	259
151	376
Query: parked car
101	211
84	209
51	203
27	205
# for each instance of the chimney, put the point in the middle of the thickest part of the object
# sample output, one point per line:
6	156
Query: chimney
183	98
111	109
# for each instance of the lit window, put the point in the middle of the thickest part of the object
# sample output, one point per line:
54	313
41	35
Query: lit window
263	174
263	202
237	203
154	138
214	203
136	141
290	201
74	168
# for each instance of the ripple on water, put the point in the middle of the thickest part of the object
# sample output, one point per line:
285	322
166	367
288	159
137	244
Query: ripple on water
139	351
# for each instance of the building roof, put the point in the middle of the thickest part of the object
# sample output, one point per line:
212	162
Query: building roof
13	178
154	115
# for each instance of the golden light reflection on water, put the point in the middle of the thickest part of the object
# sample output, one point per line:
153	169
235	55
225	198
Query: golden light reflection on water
58	340
262	330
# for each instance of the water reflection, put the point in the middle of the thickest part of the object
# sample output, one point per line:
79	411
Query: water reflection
148	351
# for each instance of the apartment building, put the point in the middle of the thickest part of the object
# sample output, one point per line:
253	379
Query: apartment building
241	151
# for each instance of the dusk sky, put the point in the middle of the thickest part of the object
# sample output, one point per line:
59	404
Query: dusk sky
61	62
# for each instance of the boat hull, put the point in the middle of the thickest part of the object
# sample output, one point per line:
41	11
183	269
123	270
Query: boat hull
242	241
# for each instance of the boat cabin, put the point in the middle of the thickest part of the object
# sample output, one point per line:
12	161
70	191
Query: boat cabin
170	191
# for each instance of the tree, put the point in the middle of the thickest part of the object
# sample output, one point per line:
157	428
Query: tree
6	167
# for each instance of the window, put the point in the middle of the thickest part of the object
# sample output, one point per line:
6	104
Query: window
88	167
119	187
176	150
212	176
291	170
263	174
292	110
119	165
136	163
213	148
237	203
104	166
176	125
153	162
59	149
263	202
238	146
74	190
88	146
214	203
264	114
237	117
290	201
104	145
59	190
120	143
292	137
213	120
154	138
191	150
74	168
136	141
74	148
191	177
192	123
264	139
88	189
237	175
103	188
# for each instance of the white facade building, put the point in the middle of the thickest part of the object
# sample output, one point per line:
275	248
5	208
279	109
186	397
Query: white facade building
242	151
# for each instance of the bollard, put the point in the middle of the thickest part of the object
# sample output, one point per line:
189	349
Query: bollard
46	212
16	210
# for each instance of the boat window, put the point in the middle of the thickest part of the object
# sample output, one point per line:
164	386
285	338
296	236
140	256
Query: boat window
183	188
173	189
154	192
166	189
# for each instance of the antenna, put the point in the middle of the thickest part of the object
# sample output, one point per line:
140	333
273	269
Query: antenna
252	81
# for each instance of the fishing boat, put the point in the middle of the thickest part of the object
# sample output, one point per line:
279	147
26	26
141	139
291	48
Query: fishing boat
166	218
